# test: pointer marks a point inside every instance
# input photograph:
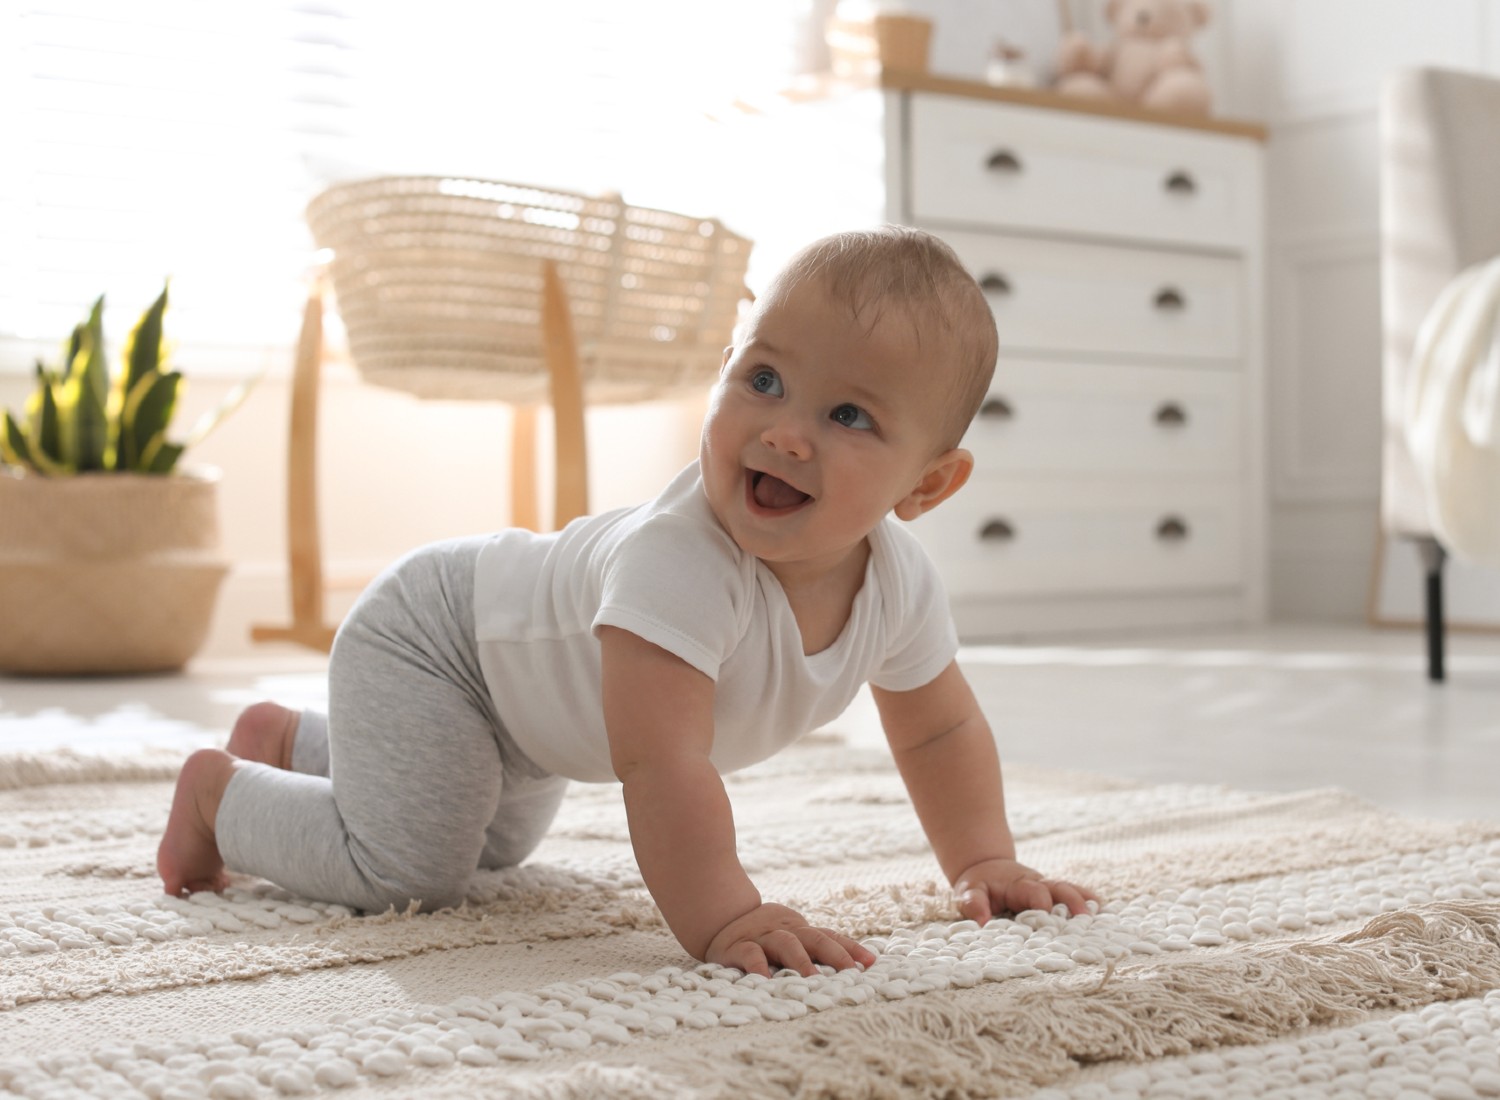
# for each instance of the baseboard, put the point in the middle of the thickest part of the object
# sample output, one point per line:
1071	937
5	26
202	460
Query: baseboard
1008	620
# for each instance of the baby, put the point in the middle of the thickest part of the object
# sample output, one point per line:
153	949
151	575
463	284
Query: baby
663	645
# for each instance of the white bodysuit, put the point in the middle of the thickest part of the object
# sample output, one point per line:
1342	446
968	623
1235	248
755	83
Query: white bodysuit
668	572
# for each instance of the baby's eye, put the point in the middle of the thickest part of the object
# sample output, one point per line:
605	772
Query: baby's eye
766	381
852	416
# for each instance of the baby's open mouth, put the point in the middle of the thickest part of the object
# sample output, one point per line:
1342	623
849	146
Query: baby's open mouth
773	494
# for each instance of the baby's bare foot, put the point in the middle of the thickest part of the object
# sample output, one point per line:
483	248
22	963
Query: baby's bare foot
188	858
264	732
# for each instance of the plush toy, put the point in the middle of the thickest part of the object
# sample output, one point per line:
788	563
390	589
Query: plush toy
1148	62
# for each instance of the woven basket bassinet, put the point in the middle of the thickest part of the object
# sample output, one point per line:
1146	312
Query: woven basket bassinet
438	282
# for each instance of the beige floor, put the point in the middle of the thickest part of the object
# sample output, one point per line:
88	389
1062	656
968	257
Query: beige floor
1280	708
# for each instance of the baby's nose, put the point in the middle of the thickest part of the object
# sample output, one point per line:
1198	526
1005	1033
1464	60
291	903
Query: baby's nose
787	435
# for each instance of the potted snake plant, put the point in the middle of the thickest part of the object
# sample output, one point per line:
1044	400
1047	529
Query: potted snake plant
110	559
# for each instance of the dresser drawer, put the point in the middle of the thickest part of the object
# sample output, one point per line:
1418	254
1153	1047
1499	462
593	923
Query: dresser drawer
1071	297
1109	420
1002	537
989	164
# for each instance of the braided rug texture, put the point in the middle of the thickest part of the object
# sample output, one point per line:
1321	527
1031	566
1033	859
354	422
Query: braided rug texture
1255	945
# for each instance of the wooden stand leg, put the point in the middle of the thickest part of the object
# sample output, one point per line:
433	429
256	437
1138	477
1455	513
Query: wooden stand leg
523	495
304	546
561	352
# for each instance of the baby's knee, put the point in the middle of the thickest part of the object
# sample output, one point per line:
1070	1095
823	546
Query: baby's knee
264	732
429	892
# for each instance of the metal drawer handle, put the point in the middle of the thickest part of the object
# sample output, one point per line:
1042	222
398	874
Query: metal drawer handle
993	282
996	408
997	530
1181	182
1171	415
1169	298
1003	160
1172	529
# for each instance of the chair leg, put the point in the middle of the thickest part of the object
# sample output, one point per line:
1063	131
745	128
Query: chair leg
1433	557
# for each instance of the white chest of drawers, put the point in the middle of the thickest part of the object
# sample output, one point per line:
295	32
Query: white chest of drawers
1118	479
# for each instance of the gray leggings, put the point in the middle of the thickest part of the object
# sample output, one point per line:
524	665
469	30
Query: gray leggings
411	782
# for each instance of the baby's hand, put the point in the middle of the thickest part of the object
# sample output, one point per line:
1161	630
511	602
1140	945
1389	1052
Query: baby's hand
1003	885
771	937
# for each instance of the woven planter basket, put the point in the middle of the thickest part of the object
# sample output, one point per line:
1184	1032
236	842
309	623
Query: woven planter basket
107	573
438	282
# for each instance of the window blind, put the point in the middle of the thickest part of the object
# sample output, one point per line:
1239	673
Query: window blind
164	138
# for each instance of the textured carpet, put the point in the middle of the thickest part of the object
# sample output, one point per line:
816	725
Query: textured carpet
1250	945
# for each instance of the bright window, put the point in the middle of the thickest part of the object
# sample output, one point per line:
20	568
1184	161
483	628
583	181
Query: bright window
183	138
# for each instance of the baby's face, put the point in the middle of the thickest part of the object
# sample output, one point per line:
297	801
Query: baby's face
816	429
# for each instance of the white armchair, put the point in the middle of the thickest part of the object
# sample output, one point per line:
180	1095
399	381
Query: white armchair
1439	217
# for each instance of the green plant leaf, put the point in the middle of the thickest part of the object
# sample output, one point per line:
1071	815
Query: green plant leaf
82	418
91	424
80	331
42	426
134	432
65	397
160	456
46	377
143	347
147	414
13	446
95	365
47	429
83	397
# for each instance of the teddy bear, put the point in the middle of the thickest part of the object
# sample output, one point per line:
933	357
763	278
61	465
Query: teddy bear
1148	63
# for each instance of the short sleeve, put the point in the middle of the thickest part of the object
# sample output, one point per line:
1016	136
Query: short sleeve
678	583
921	637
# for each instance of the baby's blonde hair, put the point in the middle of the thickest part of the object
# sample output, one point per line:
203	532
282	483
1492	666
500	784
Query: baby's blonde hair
920	275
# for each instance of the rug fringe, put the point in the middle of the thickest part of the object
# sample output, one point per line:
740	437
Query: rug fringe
42	769
1014	1040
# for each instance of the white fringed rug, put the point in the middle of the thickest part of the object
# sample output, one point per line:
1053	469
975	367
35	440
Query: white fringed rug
1250	945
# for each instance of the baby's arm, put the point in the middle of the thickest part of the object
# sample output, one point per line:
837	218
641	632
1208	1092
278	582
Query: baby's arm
946	755
658	711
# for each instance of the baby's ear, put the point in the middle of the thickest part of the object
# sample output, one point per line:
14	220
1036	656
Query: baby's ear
945	476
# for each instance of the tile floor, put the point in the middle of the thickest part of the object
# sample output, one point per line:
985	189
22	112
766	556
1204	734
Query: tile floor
1279	708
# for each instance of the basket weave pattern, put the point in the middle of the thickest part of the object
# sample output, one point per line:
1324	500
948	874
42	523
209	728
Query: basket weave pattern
106	573
439	281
